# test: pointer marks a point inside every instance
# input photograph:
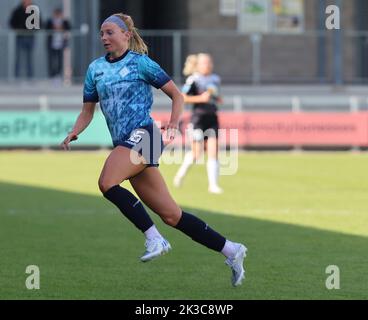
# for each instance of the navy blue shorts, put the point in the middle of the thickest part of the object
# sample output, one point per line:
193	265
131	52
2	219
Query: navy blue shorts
147	141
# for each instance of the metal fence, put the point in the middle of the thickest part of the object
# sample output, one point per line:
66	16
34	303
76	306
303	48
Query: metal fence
310	57
235	98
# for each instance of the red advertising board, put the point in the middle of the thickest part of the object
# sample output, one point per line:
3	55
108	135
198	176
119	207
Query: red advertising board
289	129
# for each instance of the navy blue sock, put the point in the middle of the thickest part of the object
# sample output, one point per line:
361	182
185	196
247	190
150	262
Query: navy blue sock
200	232
130	207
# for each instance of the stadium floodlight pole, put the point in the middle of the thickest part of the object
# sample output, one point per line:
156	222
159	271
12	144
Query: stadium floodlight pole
338	55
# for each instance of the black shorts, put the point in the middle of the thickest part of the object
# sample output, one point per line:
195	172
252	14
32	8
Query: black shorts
147	141
204	125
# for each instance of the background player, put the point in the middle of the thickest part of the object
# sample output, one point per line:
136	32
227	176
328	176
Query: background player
202	90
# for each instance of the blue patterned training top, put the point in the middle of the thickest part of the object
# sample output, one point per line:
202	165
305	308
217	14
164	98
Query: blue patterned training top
123	88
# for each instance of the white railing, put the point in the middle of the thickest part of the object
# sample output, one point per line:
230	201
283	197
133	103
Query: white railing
236	103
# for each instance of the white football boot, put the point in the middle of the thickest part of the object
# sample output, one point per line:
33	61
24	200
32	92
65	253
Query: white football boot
178	181
215	189
155	248
236	265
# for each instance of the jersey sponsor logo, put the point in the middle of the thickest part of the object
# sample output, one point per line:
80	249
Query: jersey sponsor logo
124	72
99	75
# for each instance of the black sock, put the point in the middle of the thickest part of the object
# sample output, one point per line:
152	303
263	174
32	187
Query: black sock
200	232
130	207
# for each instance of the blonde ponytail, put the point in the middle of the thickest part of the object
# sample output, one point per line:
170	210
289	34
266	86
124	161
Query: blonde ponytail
190	65
136	43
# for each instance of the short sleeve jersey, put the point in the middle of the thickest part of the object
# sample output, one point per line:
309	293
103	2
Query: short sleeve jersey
196	84
123	88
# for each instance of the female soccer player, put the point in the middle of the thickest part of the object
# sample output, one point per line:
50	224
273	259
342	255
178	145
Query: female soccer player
121	82
202	90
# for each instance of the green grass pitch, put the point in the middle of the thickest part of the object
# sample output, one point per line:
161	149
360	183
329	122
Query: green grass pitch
297	213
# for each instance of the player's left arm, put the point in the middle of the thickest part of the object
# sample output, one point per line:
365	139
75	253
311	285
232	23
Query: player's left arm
219	98
153	74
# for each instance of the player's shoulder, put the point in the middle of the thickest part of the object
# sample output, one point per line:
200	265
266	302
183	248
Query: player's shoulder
138	57
136	54
193	78
143	59
97	62
215	77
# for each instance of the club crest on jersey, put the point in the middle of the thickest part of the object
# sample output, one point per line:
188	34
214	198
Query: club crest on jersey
124	72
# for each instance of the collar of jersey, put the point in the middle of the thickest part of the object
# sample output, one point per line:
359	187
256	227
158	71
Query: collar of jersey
116	59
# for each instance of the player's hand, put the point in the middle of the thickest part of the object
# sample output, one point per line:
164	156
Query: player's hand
171	129
205	97
70	137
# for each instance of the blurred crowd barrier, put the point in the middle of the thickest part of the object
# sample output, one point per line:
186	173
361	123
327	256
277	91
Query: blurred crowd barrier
307	58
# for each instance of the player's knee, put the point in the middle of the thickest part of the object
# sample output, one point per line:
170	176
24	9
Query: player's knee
172	217
171	221
105	185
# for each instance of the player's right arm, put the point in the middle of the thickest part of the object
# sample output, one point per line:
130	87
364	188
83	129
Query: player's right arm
90	98
83	120
202	98
189	93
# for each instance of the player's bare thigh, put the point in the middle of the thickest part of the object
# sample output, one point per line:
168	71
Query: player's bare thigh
152	190
121	164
